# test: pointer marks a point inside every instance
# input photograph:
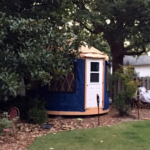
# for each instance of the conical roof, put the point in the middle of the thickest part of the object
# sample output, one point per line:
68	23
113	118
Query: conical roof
91	52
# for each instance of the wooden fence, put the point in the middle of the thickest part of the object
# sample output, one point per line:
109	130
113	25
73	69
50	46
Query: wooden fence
117	86
146	82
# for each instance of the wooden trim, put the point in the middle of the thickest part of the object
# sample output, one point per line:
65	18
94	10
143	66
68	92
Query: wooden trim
93	108
87	112
93	58
103	86
85	91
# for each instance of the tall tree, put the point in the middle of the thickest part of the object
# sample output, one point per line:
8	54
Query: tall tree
120	21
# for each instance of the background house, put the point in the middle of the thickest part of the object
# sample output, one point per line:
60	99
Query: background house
140	64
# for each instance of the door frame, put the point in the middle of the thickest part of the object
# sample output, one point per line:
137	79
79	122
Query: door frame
103	83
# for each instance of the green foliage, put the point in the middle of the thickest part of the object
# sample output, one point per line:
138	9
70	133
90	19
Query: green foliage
122	100
122	104
31	48
37	116
120	21
31	109
34	43
126	75
36	112
5	123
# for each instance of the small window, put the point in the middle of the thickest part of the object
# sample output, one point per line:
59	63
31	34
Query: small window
94	77
94	72
95	66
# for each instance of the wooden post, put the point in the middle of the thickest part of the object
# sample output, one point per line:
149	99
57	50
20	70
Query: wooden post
138	104
98	108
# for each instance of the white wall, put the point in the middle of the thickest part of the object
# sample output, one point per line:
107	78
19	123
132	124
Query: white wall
143	71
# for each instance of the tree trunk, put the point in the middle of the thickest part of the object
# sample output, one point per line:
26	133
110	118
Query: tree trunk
116	61
117	51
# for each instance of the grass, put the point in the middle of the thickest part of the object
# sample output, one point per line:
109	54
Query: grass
124	136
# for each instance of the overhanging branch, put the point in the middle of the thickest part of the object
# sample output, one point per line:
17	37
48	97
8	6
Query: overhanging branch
136	53
128	48
80	5
92	31
95	31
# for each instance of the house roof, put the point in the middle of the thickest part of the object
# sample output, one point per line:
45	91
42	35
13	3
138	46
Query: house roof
141	60
91	52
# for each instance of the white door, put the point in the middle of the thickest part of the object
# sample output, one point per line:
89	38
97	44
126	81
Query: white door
94	82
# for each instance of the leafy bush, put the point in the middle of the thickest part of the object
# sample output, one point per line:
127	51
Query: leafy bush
26	105
122	104
5	122
37	112
130	85
127	76
37	115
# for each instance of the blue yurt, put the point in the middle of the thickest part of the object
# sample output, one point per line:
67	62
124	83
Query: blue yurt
79	92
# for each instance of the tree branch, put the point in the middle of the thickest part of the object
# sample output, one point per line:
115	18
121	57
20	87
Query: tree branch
97	30
136	53
80	5
92	31
128	48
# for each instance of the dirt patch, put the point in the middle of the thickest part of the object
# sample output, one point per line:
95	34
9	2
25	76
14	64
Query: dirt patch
25	134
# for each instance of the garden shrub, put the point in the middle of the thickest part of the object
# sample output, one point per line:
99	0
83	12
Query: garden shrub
26	105
37	116
122	104
37	113
5	123
130	85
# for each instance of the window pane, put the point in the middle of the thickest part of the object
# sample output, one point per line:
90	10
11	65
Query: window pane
94	66
94	77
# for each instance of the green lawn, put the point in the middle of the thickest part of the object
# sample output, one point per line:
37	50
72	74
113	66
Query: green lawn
124	136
